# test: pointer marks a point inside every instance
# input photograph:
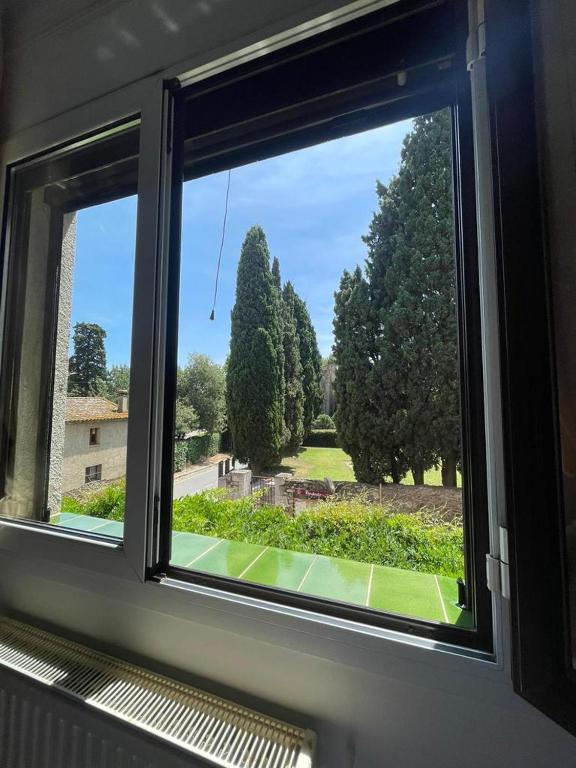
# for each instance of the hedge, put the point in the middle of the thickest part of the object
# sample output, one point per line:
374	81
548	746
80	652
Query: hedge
180	455
322	438
201	447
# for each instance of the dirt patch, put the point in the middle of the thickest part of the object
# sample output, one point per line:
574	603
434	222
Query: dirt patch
85	492
437	501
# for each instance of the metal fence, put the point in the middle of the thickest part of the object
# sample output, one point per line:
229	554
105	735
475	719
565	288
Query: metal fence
263	488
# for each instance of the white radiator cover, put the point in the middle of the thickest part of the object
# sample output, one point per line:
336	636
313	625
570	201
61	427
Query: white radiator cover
63	704
43	729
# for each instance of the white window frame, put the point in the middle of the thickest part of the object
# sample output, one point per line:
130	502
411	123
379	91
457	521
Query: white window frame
125	564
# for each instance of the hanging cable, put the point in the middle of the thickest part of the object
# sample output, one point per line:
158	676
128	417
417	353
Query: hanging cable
221	247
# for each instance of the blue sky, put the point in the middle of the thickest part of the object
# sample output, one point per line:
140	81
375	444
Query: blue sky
314	205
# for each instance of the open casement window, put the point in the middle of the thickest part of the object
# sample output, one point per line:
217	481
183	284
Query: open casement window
380	86
537	325
68	284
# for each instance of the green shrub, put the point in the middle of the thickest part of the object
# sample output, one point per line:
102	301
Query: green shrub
323	421
180	455
201	447
351	529
107	503
322	438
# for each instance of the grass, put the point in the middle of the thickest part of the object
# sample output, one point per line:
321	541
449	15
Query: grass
318	463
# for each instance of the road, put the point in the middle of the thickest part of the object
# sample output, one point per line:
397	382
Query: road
199	480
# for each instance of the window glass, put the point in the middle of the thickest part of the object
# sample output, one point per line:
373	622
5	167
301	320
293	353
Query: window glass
68	334
317	444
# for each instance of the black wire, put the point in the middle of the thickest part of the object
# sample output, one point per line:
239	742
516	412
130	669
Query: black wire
221	247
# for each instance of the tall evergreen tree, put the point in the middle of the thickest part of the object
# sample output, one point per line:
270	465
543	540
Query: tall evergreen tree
293	384
407	334
87	367
311	363
422	285
364	419
255	378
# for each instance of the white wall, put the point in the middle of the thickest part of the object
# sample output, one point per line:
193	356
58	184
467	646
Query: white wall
79	454
374	701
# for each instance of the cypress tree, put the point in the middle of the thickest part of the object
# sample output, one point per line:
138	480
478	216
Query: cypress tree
293	384
400	318
423	288
255	377
311	363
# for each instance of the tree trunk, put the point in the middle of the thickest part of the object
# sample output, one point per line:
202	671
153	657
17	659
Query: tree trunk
394	471
449	471
418	475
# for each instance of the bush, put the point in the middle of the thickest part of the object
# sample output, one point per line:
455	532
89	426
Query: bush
107	503
323	421
351	529
322	438
180	455
201	447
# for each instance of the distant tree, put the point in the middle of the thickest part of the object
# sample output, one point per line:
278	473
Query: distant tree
202	386
87	366
311	363
255	382
117	378
186	419
323	421
293	382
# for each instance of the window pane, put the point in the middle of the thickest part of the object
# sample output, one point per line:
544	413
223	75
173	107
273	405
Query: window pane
68	334
317	442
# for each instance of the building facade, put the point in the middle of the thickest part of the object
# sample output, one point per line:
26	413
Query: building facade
95	438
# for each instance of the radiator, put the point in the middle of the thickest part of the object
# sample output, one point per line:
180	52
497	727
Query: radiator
63	705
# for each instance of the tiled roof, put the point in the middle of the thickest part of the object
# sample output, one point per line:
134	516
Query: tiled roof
92	409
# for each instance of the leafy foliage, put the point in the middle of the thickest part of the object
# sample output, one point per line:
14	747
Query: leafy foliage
255	380
351	529
202	386
117	379
395	325
201	447
186	418
322	438
323	421
87	374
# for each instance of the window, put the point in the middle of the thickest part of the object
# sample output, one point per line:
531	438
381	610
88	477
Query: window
289	198
68	321
308	421
93	473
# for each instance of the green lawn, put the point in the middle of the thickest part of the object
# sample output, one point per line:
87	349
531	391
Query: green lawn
318	463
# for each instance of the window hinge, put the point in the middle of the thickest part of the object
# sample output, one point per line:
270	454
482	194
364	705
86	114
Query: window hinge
476	43
498	568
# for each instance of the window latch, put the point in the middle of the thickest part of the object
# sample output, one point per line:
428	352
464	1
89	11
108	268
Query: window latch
498	568
476	43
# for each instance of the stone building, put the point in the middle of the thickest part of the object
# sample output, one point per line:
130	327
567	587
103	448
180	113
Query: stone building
95	438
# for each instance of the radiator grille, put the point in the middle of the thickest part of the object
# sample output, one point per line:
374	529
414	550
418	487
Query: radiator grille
217	730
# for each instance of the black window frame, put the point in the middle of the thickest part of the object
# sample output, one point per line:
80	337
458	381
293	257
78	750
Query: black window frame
428	94
542	668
